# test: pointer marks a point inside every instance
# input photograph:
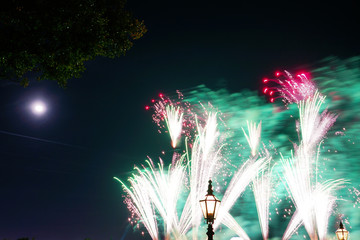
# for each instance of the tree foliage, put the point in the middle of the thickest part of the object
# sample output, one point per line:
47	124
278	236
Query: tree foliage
53	39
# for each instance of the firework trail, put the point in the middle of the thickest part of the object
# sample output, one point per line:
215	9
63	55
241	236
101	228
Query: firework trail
323	203
156	189
262	183
140	204
254	136
294	224
313	126
297	174
208	135
205	156
313	203
174	122
299	169
262	188
151	184
174	116
229	221
167	189
241	179
291	89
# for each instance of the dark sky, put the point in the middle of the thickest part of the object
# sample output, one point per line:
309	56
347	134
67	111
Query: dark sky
56	179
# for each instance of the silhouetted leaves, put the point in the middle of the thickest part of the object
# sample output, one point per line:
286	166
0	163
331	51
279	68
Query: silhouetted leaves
53	39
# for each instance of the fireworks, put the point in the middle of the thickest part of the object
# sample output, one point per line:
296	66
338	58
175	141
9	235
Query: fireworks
254	137
174	122
168	198
241	179
292	89
313	200
314	126
262	192
204	158
154	189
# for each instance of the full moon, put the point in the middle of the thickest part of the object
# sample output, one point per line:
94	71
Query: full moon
38	108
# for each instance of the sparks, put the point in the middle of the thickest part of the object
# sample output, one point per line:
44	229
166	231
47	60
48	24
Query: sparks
174	122
235	162
290	88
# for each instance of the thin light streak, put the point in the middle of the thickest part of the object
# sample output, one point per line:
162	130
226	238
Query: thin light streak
254	136
262	188
174	122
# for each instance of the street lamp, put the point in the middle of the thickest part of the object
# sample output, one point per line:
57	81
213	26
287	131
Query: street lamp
342	233
210	206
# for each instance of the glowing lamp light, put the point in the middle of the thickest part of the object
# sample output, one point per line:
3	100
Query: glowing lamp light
265	80
152	100
161	95
341	232
277	74
272	100
210	205
265	90
147	107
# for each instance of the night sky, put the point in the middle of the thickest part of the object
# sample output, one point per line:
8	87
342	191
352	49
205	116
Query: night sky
56	171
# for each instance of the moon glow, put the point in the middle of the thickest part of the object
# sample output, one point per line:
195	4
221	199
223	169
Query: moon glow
38	108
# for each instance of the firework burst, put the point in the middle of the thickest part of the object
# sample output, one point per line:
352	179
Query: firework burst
166	200
313	200
154	189
291	89
254	136
205	156
313	125
241	179
174	122
262	188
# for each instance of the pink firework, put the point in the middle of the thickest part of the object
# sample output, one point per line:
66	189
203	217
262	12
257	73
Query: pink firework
191	115
162	106
291	88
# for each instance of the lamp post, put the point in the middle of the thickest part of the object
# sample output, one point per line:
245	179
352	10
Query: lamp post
210	206
341	232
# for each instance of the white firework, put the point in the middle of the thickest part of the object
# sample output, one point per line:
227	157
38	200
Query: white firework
174	122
